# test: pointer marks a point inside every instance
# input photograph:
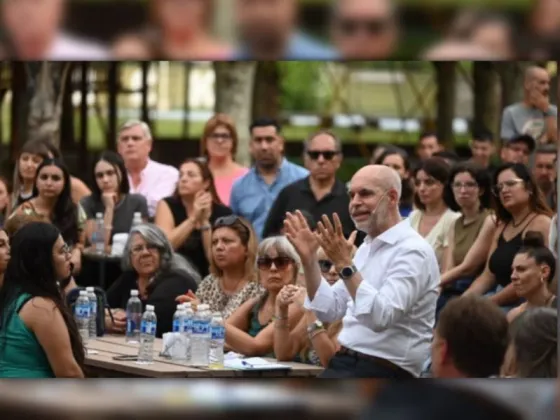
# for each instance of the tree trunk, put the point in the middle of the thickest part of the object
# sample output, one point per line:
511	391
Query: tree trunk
511	80
446	94
486	98
46	84
266	94
234	94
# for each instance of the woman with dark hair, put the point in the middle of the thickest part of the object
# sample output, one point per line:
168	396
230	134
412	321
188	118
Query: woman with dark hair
52	198
397	158
38	335
110	196
534	267
4	200
219	146
31	155
78	188
188	215
468	192
4	253
432	218
519	206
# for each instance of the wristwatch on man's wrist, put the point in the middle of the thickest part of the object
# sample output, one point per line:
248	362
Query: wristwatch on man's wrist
347	272
316	326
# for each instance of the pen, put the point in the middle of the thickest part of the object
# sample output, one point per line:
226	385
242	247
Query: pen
244	363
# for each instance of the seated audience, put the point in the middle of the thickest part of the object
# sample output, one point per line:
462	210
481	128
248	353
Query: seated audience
519	207
52	198
534	344
219	146
110	197
468	193
432	218
470	339
187	216
159	275
249	330
534	267
40	337
233	278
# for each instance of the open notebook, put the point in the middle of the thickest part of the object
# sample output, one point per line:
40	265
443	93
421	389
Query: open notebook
254	363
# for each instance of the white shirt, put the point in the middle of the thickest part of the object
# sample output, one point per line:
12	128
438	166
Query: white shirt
553	236
67	47
393	315
157	181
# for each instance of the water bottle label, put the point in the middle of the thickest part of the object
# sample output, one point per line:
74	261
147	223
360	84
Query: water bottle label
82	311
189	325
218	333
130	325
200	327
177	325
148	327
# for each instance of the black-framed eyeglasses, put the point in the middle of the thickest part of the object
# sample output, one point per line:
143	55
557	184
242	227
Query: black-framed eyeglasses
265	263
327	154
325	265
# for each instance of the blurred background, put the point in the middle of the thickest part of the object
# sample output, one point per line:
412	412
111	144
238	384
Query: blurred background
280	29
366	104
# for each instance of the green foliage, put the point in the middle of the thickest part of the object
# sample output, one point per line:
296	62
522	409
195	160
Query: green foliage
301	85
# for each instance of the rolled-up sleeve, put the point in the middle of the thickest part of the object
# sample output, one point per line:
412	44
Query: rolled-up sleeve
406	280
330	302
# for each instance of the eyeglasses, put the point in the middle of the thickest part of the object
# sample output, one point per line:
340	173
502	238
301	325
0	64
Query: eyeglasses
498	188
466	185
265	263
327	154
352	27
220	136
325	265
140	248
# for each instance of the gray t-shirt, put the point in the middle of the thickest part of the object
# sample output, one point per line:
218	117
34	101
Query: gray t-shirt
124	210
518	119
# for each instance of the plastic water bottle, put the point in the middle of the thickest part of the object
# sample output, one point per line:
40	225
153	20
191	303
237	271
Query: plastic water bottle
133	317
137	219
200	337
178	319
98	236
217	341
93	312
82	315
147	336
188	327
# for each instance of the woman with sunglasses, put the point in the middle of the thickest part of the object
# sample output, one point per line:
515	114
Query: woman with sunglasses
219	146
519	206
187	216
52	199
250	330
38	333
232	280
110	197
433	218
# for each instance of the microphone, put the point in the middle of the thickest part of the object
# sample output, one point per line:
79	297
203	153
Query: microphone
377	205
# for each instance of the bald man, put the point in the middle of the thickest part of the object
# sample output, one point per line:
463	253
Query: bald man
388	291
534	115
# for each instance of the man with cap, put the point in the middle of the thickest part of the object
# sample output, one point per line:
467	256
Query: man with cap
518	149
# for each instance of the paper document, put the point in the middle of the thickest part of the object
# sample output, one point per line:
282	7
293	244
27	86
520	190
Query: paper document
254	363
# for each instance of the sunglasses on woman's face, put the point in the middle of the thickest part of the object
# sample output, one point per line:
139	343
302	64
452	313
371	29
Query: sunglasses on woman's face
265	263
325	265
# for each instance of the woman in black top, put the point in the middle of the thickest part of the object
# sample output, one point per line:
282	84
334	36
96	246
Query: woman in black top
159	275
187	216
519	206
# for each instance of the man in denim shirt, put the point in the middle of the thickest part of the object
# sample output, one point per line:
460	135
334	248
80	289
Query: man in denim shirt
252	195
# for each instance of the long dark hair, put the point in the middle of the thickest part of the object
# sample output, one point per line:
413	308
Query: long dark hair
206	176
537	202
31	271
117	162
480	176
65	213
407	190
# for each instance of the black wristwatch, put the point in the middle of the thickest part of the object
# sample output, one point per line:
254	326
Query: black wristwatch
347	272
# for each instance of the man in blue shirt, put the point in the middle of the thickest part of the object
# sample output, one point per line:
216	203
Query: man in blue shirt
252	195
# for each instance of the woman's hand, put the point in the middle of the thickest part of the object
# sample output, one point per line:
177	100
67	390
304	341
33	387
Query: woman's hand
119	326
287	296
109	200
189	297
202	206
76	260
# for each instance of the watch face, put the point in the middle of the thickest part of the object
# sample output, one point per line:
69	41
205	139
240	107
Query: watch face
347	272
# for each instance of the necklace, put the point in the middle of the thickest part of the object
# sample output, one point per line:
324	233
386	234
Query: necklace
515	225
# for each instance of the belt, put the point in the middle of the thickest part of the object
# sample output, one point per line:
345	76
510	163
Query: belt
402	374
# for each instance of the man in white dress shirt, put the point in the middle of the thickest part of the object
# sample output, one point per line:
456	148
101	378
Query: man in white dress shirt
152	179
387	293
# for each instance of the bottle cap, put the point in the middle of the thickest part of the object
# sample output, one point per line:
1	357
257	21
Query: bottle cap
150	307
203	307
83	293
90	289
99	215
134	292
180	307
187	305
217	315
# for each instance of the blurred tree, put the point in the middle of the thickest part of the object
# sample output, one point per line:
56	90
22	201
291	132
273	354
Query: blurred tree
266	94
234	94
486	104
300	85
446	81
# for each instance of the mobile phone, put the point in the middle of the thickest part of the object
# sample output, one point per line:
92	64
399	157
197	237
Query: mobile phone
125	358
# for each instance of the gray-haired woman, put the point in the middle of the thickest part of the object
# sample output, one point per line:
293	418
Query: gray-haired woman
151	267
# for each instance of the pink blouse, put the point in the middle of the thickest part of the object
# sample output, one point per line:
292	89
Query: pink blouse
225	183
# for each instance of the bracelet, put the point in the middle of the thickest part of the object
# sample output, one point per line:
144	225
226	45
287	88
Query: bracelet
279	318
316	332
205	227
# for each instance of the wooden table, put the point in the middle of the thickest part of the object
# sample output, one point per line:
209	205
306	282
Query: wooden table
101	364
